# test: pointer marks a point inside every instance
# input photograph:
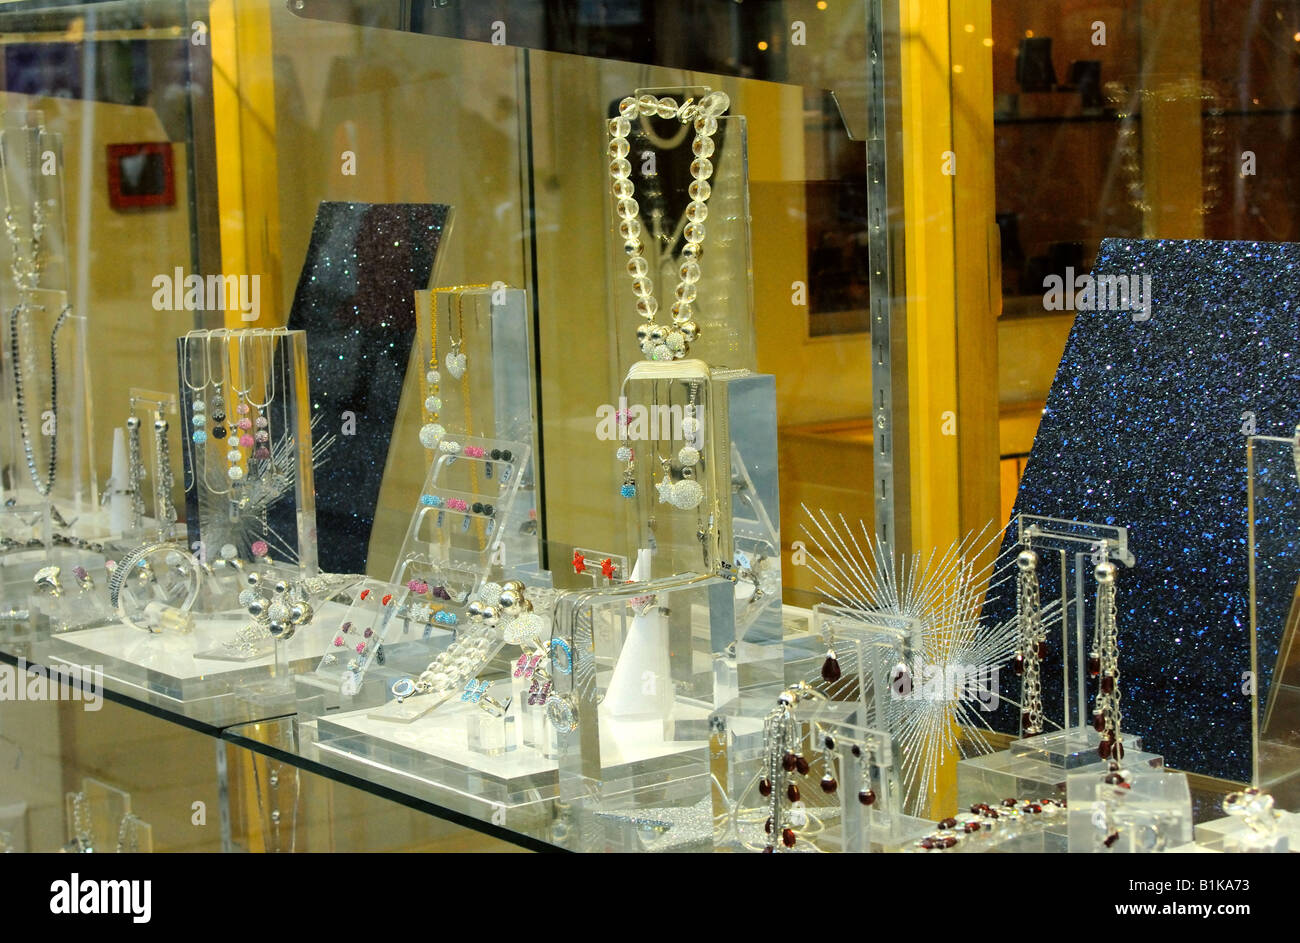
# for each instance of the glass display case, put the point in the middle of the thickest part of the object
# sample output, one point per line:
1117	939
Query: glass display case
785	426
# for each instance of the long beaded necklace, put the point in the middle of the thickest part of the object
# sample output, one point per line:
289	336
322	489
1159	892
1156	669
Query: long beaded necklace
46	484
665	342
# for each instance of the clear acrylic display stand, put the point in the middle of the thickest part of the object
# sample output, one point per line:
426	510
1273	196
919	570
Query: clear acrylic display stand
112	825
1273	467
77	606
151	507
1151	811
493	399
378	611
31	520
738	515
449	543
643	717
264	373
861	758
1232	835
1037	766
867	647
33	176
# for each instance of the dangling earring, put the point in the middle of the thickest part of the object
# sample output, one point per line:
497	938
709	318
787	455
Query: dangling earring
831	666
134	469
164	482
627	456
780	742
829	782
1032	646
455	362
1105	658
866	762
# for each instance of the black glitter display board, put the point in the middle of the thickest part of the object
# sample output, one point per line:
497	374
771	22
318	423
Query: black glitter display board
1145	427
355	298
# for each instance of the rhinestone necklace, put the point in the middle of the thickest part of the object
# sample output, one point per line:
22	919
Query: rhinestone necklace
26	271
45	485
665	342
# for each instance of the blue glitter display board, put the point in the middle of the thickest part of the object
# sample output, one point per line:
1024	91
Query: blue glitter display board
1145	427
355	298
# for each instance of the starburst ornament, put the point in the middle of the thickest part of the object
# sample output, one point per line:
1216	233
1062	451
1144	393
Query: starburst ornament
935	692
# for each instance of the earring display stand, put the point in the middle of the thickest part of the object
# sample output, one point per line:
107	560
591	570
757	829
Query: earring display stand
859	759
148	406
1273	480
1039	766
867	650
493	399
248	454
1150	812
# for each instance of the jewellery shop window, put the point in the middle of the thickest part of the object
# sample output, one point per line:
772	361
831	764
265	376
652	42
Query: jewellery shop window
340	338
1113	438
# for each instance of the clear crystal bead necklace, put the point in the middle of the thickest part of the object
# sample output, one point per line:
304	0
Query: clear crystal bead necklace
666	341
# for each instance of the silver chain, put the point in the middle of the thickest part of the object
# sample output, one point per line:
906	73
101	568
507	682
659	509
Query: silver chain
165	481
1106	645
1029	616
134	470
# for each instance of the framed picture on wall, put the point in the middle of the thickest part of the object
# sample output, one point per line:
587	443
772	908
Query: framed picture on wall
141	175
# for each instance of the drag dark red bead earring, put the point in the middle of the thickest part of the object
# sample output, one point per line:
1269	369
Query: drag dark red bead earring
828	782
831	666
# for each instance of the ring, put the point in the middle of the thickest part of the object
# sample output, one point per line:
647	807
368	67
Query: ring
494	707
562	645
403	688
84	579
47	579
562	713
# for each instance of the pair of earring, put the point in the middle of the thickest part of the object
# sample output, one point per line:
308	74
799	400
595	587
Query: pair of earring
865	756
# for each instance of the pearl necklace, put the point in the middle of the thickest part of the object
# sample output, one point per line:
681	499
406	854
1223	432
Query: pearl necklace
665	342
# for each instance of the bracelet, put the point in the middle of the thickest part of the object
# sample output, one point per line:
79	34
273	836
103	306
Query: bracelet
135	558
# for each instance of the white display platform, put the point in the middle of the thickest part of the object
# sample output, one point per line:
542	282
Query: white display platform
436	748
168	664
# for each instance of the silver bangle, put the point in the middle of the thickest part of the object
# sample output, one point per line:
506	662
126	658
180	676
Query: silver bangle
127	565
